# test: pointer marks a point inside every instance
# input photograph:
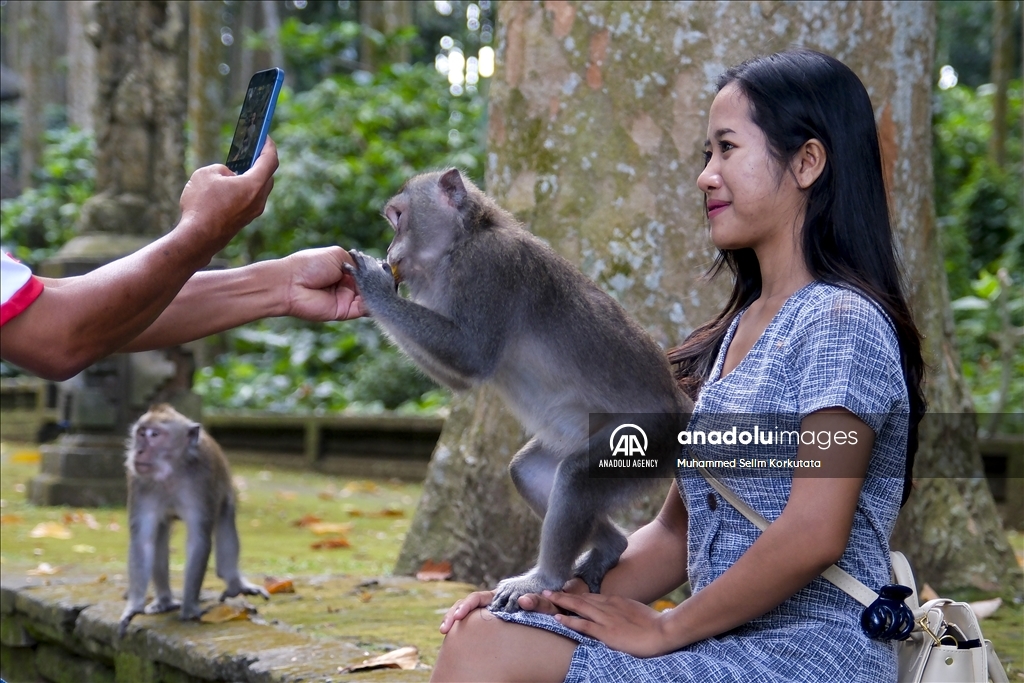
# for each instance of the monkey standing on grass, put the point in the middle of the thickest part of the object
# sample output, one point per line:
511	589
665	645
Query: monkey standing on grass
177	471
491	303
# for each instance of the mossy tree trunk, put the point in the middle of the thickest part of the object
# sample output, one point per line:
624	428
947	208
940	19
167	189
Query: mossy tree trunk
597	121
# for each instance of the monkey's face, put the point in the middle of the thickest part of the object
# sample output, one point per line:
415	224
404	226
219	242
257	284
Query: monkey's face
157	448
426	220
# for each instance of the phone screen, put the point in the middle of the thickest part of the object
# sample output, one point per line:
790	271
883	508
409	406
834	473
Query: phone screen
254	119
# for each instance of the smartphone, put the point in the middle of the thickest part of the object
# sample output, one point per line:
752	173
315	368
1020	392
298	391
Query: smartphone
254	119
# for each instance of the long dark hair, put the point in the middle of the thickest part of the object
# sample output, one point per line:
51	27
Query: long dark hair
847	235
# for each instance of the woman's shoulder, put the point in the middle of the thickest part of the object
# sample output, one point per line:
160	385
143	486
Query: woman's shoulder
825	307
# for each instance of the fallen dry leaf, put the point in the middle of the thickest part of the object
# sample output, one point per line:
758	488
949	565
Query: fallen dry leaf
44	569
11	519
306	520
224	612
434	571
403	658
286	495
82	548
81	517
365	596
278	585
360	487
324	528
26	457
331	544
386	512
51	530
662	605
326	495
985	608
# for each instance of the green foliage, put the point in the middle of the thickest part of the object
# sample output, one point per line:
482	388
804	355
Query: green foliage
978	205
287	366
981	224
37	223
980	325
347	145
312	51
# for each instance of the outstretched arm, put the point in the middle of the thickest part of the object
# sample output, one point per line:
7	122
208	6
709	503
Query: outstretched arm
309	284
76	321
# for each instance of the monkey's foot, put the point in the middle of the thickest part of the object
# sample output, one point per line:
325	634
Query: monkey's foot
508	592
190	612
161	605
593	566
243	587
126	617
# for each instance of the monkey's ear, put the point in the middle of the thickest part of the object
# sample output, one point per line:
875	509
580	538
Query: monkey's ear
453	187
194	430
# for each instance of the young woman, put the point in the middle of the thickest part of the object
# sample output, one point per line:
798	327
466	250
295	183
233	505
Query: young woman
817	332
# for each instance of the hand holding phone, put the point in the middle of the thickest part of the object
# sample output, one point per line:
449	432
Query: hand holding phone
254	119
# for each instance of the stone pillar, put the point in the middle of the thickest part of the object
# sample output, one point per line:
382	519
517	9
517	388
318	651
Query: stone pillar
141	101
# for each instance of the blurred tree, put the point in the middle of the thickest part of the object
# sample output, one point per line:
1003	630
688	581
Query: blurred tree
34	41
379	21
964	39
81	59
597	120
1002	65
205	83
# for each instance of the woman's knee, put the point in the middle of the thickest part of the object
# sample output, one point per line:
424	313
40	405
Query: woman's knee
474	636
483	647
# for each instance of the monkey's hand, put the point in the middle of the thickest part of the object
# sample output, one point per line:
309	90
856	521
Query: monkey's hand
508	592
243	587
374	280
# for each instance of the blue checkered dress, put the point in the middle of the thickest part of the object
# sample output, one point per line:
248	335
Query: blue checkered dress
826	347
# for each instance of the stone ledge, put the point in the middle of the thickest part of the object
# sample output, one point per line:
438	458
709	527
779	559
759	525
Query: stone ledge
73	630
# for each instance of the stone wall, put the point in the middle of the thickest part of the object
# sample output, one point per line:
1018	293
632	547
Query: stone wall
68	634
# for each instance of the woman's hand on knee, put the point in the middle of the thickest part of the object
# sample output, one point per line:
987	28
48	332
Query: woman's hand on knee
533	602
461	609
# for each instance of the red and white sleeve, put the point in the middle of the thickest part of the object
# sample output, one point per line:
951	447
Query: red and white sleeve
18	287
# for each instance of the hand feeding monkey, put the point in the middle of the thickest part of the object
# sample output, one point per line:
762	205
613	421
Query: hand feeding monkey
491	303
177	471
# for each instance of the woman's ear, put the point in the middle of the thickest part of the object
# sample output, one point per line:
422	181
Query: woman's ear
808	163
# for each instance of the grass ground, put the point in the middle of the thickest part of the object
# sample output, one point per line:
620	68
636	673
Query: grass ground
335	595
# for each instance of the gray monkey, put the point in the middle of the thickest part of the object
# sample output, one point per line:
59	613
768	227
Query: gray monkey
490	303
177	471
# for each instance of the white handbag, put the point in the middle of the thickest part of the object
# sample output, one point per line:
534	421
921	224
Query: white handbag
946	644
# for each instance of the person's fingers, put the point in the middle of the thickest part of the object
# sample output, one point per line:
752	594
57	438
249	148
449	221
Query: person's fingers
576	585
531	602
584	626
463	607
583	605
342	255
267	162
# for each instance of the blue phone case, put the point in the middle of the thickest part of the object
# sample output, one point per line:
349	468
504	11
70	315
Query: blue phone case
242	154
